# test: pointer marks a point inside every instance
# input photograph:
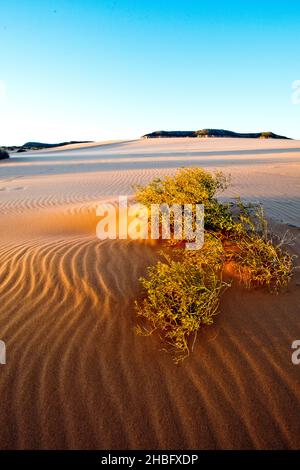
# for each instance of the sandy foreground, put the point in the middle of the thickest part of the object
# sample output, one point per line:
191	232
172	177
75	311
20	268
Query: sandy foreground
77	376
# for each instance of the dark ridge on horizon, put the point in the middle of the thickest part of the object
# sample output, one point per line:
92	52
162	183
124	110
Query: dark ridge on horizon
205	133
42	145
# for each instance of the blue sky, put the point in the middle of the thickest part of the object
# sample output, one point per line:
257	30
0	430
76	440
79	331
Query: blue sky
98	70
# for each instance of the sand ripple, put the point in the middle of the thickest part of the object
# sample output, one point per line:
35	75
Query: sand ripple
78	377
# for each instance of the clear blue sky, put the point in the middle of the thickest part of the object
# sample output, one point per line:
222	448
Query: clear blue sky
104	69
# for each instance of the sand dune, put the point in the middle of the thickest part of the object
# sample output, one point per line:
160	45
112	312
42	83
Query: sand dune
76	375
263	170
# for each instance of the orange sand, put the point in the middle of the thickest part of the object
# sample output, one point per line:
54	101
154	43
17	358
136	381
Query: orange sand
76	375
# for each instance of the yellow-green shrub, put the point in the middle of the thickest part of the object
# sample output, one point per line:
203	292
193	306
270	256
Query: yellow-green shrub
182	294
190	186
187	186
262	263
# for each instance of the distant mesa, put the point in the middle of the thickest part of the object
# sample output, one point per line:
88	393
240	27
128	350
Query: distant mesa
206	133
158	134
41	146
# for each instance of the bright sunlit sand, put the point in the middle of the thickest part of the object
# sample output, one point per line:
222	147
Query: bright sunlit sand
77	375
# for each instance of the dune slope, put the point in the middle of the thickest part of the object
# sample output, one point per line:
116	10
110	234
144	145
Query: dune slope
77	376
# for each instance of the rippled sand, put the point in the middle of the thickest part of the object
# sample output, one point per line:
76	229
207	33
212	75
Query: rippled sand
76	375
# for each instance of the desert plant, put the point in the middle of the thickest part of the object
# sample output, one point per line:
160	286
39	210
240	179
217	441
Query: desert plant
182	292
266	135
260	259
187	186
190	186
182	295
218	217
262	263
202	133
